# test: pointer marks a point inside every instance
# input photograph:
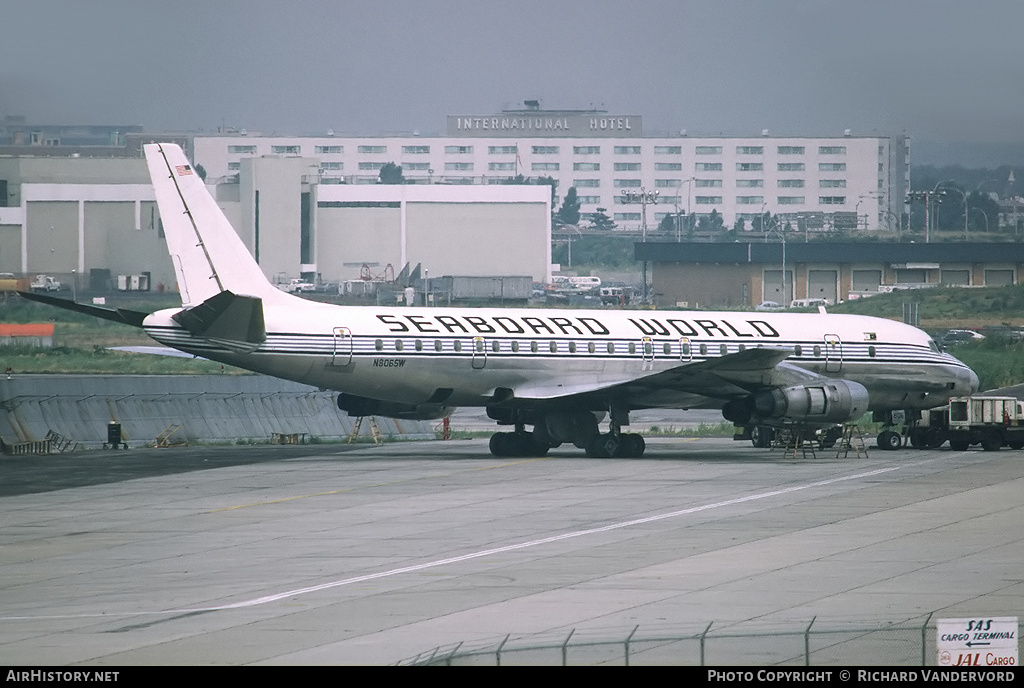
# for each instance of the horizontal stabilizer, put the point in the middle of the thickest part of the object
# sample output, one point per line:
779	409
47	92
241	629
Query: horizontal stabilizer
121	315
227	317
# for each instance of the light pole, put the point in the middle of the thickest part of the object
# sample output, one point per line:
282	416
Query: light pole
643	197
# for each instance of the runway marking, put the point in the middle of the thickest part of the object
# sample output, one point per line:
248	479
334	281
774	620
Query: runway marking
266	599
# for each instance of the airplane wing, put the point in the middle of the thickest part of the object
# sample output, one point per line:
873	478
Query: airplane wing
724	377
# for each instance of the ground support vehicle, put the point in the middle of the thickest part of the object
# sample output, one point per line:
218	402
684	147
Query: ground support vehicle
991	421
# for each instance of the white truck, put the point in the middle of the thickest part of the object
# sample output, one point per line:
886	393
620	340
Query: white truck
991	421
298	286
46	283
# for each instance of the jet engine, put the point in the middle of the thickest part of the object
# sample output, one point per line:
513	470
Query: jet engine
365	406
825	401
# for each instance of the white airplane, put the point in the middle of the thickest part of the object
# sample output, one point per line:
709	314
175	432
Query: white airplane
557	371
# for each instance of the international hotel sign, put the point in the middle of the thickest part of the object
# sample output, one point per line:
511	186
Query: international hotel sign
545	124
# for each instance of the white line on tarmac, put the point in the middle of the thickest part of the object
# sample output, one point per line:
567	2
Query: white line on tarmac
484	553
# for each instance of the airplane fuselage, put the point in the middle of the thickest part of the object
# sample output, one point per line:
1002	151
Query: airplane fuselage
406	355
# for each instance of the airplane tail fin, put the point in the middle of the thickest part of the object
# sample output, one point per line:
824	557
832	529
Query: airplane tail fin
208	256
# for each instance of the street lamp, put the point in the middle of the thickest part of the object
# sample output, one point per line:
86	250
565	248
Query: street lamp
643	197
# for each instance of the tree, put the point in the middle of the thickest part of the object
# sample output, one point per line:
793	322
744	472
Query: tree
390	173
600	220
739	226
712	223
569	213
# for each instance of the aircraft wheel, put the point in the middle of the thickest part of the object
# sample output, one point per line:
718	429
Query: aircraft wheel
761	436
887	439
631	446
602	447
501	444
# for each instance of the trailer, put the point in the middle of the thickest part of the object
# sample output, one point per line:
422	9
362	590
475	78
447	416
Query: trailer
989	421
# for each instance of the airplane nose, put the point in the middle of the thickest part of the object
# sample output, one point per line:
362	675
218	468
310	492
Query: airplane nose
970	379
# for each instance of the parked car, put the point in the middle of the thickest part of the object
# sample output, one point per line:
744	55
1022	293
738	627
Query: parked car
957	337
768	306
46	283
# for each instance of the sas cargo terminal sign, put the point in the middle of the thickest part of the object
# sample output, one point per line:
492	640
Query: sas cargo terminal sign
542	124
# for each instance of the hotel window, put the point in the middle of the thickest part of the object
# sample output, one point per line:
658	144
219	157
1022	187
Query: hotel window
749	166
586	150
832	200
545	150
626	183
458	166
626	167
586	183
831	166
241	149
330	149
627	150
749	183
749	200
668	150
791	150
416	150
831	150
372	149
285	150
791	167
424	166
586	166
833	183
669	199
501	166
589	200
708	200
331	166
669	166
709	167
750	150
235	166
627	217
371	165
502	150
458	150
791	183
708	183
708	150
667	183
791	200
544	167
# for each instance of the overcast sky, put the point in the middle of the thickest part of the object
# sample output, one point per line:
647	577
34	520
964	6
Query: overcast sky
948	73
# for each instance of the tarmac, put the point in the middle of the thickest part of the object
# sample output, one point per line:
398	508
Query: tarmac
363	554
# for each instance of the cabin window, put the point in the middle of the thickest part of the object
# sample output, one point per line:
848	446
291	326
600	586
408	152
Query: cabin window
686	348
437	345
534	347
723	349
611	347
871	351
419	345
648	348
458	345
591	348
553	347
495	346
666	349
515	346
632	347
817	351
798	350
572	347
479	345
742	347
399	345
703	349
379	345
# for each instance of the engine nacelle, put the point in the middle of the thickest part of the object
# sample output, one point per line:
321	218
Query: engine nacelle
825	401
365	406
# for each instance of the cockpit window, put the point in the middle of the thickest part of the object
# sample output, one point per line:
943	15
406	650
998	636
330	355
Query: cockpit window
933	345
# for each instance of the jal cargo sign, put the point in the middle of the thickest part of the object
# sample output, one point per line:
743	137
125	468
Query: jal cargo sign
977	642
546	124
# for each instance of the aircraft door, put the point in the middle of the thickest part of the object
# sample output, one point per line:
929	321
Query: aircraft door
833	353
479	353
685	349
647	351
341	355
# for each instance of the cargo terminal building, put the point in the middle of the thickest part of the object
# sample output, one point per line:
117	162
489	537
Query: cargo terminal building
826	182
738	275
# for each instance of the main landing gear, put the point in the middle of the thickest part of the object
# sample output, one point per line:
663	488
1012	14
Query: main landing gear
553	429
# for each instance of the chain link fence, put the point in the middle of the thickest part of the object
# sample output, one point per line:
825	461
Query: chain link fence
810	644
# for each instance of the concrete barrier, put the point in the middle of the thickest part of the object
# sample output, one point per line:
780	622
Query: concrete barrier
209	408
